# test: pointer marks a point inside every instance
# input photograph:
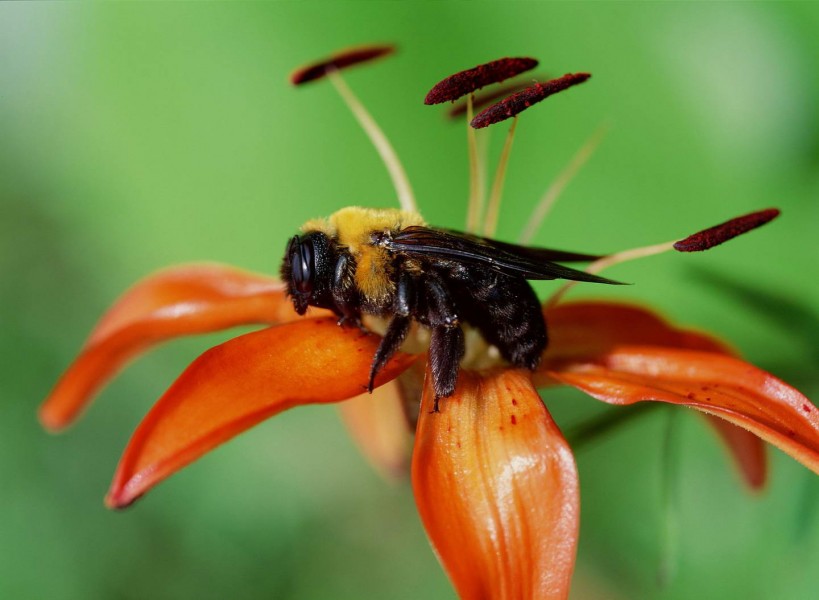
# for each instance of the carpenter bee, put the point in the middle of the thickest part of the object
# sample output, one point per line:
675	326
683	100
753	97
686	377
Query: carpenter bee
389	263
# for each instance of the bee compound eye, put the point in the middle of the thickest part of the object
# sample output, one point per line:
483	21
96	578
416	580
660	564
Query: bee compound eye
303	266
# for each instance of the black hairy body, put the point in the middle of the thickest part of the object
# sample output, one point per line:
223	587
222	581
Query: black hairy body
438	278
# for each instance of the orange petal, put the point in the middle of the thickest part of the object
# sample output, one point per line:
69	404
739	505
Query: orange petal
235	385
716	384
746	449
178	301
380	426
588	329
497	490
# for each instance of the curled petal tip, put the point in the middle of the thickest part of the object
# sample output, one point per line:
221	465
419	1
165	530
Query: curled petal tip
119	500
50	421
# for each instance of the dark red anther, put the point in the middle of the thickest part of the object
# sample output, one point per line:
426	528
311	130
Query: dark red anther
484	100
719	234
340	60
517	103
466	82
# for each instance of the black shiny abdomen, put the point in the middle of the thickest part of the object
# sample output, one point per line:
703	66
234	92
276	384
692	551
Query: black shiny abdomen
503	308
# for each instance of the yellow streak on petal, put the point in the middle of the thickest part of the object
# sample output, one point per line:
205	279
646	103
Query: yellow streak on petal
496	487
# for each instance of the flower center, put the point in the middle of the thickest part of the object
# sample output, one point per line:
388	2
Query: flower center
479	353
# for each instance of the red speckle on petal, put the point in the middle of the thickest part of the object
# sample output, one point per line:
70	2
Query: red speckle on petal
514	402
514	420
806	408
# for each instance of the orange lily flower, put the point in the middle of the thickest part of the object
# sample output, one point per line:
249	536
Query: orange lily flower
494	478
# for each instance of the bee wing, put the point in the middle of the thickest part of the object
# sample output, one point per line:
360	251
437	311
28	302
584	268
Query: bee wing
539	254
529	263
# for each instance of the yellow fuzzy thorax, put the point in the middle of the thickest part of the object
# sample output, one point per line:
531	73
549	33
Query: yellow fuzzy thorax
353	228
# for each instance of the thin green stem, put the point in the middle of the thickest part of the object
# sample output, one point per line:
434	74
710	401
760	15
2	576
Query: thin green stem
670	465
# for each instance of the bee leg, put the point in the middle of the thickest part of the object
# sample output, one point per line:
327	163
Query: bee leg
397	329
390	343
345	295
447	347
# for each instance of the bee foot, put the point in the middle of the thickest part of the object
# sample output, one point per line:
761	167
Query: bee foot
352	322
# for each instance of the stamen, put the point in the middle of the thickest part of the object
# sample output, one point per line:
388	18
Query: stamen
340	60
549	198
608	261
719	234
476	174
484	100
379	140
702	240
517	103
493	211
466	82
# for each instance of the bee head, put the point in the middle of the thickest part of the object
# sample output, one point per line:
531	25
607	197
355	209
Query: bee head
307	269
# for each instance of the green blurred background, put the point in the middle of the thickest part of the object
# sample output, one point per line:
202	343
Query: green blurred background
135	136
